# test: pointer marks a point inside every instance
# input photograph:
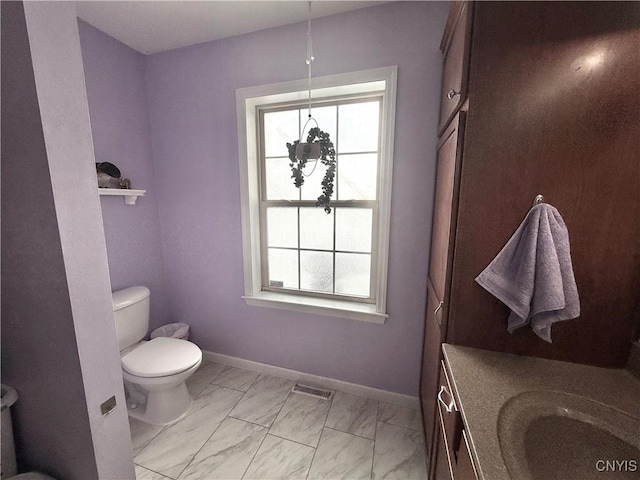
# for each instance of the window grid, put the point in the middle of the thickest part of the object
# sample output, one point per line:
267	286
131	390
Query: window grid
300	203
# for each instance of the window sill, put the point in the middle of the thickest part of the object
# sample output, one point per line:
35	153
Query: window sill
365	312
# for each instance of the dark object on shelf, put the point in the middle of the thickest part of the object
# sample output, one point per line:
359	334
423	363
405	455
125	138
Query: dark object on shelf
109	176
108	168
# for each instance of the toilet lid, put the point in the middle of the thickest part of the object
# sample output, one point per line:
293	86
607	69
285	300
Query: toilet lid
161	356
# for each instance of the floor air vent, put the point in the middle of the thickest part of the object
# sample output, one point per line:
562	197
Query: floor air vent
312	391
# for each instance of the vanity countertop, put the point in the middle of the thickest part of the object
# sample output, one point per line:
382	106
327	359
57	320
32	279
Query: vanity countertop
483	381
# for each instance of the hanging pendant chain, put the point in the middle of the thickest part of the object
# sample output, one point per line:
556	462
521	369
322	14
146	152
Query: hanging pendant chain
310	57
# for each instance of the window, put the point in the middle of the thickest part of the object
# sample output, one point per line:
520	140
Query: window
296	256
304	249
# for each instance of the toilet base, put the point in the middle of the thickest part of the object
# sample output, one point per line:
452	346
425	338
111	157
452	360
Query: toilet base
163	407
158	400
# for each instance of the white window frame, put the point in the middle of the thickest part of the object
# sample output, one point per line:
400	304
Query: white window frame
381	80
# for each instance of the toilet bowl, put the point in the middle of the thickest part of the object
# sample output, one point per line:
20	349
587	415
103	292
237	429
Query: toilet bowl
154	371
160	368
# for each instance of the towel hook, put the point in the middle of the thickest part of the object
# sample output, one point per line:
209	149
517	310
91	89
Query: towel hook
539	199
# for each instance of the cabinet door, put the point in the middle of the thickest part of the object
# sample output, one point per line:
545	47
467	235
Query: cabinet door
445	207
465	469
442	467
431	354
435	328
458	453
451	418
455	45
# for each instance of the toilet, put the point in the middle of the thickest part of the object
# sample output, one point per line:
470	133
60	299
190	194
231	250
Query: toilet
154	371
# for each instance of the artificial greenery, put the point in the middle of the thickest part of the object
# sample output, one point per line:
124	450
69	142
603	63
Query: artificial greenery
327	157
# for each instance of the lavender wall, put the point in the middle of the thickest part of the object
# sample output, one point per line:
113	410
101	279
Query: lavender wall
58	344
38	342
117	97
57	65
191	95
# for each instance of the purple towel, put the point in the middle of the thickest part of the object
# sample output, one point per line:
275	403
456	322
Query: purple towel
533	274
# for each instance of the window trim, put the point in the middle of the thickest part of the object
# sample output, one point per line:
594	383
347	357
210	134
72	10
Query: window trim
382	80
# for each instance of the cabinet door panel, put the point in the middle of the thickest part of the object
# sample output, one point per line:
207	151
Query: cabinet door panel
444	212
442	469
456	61
431	354
451	417
465	470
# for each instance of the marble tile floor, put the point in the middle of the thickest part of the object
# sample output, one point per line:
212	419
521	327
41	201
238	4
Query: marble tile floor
246	425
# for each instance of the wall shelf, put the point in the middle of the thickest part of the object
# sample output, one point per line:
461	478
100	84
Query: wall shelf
130	196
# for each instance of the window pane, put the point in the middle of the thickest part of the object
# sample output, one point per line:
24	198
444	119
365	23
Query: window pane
353	229
316	229
282	227
326	118
312	187
352	274
278	179
357	175
358	127
283	267
280	128
316	271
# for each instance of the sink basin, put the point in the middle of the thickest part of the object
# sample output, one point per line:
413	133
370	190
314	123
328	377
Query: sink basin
547	435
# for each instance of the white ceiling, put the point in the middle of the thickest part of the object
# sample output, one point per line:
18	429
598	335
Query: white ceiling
155	26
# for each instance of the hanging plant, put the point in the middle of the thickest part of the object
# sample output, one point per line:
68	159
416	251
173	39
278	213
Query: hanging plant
318	146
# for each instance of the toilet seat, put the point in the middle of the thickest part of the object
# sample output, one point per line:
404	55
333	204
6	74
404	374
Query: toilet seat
160	357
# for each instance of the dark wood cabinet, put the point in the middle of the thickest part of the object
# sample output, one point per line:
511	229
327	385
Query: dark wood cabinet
445	207
554	96
455	46
448	162
453	449
433	338
465	469
549	101
442	466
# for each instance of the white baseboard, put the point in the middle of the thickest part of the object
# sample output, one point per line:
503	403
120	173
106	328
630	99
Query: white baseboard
315	380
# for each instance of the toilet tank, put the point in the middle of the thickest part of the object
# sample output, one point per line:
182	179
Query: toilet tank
131	311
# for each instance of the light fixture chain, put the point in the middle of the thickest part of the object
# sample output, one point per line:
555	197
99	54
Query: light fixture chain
310	57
